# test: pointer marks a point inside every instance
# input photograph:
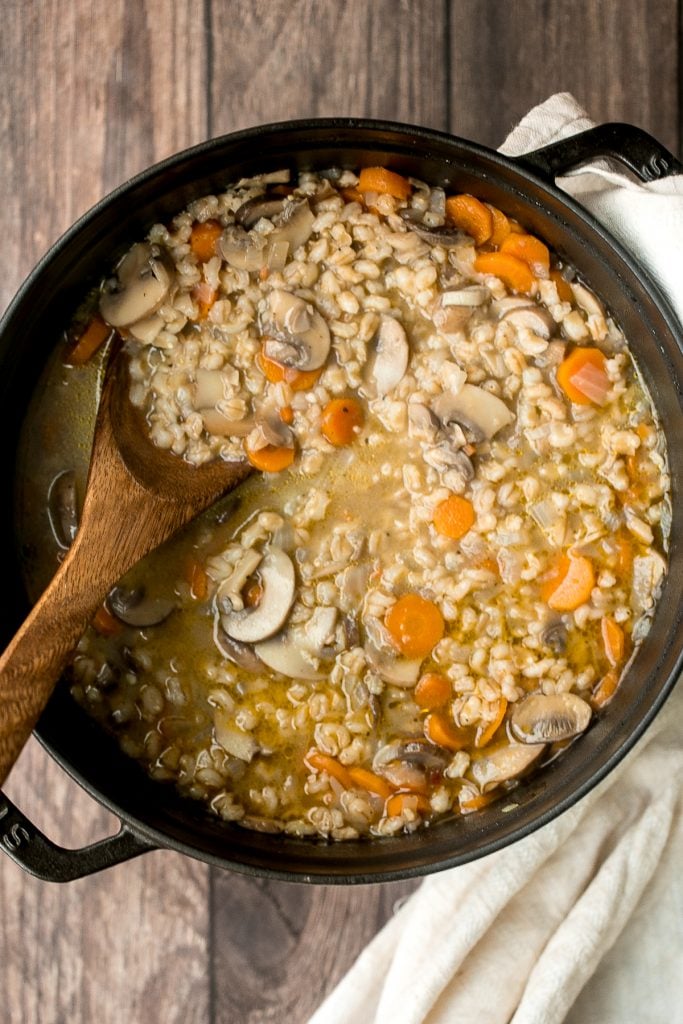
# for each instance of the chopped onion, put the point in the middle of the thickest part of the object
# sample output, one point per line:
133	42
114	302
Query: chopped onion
592	382
277	255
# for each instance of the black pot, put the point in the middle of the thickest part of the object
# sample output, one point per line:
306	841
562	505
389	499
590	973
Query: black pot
152	814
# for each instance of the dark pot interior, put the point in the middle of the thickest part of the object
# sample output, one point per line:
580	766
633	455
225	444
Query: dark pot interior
43	308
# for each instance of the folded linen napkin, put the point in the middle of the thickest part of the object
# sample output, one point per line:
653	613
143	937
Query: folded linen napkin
515	937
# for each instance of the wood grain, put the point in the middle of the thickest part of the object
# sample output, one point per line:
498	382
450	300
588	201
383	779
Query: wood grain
92	93
618	57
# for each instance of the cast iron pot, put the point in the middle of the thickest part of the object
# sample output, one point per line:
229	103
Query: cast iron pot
152	815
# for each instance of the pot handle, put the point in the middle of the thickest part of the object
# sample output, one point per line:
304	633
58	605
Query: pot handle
631	146
35	853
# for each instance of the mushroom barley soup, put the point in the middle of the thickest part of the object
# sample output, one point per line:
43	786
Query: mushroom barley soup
455	542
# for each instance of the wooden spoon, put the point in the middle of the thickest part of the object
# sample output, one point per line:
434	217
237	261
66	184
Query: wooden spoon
137	496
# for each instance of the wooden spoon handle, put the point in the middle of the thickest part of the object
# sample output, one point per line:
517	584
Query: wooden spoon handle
35	658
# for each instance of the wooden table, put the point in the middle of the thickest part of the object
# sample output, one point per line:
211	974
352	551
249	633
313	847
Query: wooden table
91	93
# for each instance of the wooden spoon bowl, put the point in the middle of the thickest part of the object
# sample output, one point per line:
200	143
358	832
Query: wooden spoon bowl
137	496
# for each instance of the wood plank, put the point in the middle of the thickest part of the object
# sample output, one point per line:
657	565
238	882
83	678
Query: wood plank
87	98
280	948
321	58
619	58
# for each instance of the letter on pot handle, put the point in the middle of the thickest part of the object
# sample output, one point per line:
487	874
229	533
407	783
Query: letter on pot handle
34	852
631	146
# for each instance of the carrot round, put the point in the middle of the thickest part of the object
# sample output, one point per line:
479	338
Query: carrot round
105	623
365	779
613	640
298	380
204	238
453	517
530	250
583	377
564	292
444	733
515	273
500	226
95	334
400	802
320	762
485	735
416	625
605	689
379	179
432	691
570	584
470	215
341	421
271	459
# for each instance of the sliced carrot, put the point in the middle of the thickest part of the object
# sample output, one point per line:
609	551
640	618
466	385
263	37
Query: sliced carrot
530	250
105	623
440	730
271	459
432	691
564	292
198	580
379	179
204	238
624	555
477	802
320	762
515	273
287	414
516	227
365	779
470	215
613	640
570	584
486	735
205	296
298	380
501	226
341	421
605	690
453	517
583	377
95	334
416	625
401	802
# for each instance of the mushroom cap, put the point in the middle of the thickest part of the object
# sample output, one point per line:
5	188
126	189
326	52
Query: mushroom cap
132	606
243	250
252	210
546	718
504	763
142	284
297	334
535	318
282	655
392	354
475	409
250	625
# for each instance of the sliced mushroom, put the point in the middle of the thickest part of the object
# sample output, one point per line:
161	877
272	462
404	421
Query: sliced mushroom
508	303
238	743
541	718
392	354
61	508
423	422
236	652
270	430
478	411
243	250
319	630
535	318
254	209
249	625
219	425
505	763
132	606
279	177
471	295
142	283
451	319
445	236
444	457
229	593
208	389
407	761
282	655
297	334
403	672
147	330
554	635
294	225
648	573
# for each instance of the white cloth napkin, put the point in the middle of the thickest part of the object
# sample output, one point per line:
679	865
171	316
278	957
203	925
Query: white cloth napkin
514	938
